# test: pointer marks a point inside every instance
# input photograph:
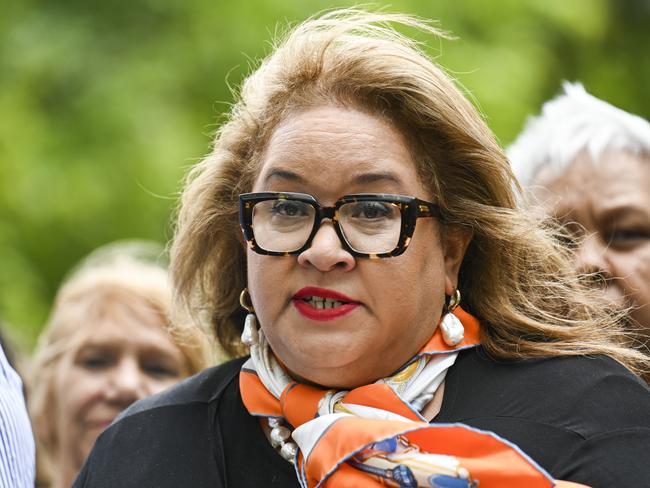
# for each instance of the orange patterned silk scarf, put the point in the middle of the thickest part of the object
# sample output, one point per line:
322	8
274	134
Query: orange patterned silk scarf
371	436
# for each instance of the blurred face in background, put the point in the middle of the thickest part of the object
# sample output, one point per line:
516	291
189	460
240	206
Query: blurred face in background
127	356
606	206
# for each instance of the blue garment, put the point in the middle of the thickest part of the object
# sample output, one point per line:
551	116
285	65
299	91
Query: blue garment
17	455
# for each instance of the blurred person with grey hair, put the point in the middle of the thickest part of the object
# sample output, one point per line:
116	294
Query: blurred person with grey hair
586	163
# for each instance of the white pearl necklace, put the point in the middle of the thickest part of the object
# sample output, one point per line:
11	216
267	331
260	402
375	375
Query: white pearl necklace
280	436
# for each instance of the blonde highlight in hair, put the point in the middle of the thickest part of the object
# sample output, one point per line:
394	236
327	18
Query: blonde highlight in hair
515	277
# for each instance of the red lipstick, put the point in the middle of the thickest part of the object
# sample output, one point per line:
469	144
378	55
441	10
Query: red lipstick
309	309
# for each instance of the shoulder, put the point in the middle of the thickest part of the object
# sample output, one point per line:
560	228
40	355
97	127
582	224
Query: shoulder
588	395
16	440
584	419
203	388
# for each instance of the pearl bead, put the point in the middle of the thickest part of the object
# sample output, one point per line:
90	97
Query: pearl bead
279	435
249	335
452	329
289	451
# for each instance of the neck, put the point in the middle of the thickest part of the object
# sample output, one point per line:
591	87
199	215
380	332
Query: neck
64	476
432	409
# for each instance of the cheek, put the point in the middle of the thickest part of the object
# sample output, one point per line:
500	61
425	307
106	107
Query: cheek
268	277
77	390
424	271
642	264
428	289
254	271
156	386
632	266
411	290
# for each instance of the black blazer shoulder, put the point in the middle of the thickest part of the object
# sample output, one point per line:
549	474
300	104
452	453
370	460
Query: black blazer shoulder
587	395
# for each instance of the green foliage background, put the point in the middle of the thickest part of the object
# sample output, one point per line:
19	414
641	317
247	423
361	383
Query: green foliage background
104	105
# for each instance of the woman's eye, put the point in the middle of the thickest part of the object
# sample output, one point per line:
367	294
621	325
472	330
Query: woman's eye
160	370
95	362
628	237
288	208
371	210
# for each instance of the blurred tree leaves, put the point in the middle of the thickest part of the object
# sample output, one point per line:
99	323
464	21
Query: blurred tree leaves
106	104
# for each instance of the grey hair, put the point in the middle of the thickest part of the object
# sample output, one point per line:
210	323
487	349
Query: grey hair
569	124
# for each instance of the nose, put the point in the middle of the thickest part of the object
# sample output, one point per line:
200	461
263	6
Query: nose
326	252
591	258
126	383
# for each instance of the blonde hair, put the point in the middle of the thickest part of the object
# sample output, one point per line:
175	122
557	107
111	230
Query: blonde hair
119	275
515	278
571	123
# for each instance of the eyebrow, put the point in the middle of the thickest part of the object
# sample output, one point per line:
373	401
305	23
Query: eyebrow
285	175
361	179
112	346
623	211
379	176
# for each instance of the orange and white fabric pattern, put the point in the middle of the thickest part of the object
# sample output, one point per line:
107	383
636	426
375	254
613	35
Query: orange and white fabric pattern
374	435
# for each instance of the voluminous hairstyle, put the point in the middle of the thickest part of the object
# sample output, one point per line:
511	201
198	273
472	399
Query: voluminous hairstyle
515	278
123	275
572	123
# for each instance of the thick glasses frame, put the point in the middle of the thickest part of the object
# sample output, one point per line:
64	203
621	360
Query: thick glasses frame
411	209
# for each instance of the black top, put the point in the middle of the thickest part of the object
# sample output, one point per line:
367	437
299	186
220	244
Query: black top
582	419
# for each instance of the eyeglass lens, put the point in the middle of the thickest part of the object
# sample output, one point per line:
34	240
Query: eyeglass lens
284	225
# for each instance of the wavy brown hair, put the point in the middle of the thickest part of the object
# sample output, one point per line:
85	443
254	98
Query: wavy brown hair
515	277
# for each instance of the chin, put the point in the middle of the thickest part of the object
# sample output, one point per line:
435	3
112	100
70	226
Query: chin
328	381
327	359
332	374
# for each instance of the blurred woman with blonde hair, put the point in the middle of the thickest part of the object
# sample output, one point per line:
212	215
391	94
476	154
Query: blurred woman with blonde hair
109	341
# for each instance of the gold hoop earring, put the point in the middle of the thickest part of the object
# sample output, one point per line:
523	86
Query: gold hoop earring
451	327
245	301
454	301
250	334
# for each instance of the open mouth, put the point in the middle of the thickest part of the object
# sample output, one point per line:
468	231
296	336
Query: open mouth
322	304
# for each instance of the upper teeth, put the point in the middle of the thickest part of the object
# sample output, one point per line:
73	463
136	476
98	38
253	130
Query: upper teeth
319	302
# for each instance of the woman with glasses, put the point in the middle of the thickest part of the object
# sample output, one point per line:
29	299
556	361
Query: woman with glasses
355	230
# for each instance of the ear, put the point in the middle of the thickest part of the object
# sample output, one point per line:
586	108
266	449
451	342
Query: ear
456	239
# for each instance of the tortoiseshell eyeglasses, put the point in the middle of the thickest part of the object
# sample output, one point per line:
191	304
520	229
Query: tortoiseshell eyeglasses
368	225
